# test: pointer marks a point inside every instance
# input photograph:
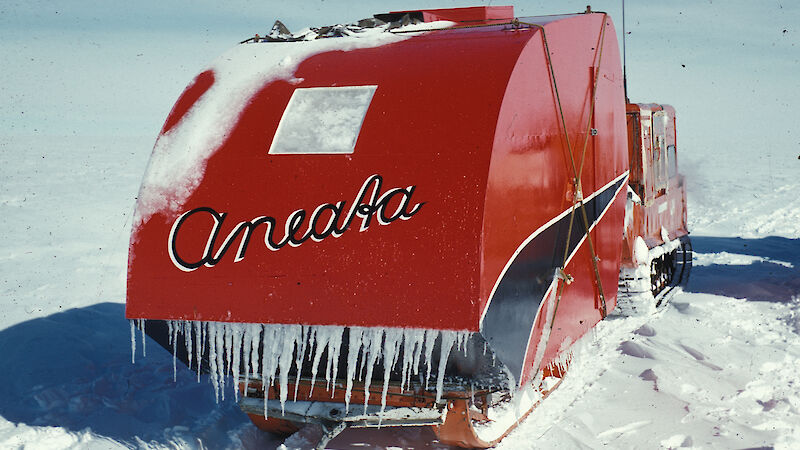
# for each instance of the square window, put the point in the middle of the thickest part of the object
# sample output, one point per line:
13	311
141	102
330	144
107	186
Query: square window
322	120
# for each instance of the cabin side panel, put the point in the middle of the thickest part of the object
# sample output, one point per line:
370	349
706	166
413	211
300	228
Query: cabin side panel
529	228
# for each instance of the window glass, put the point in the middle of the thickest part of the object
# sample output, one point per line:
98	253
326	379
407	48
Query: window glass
659	150
322	120
673	161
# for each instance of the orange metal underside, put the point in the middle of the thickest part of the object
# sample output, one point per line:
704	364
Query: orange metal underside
463	408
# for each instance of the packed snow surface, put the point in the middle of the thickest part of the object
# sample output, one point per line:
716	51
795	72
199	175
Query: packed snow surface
88	88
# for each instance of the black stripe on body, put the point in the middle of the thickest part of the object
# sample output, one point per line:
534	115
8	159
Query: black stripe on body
508	321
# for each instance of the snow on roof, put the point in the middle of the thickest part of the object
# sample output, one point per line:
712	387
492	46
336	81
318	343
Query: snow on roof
178	161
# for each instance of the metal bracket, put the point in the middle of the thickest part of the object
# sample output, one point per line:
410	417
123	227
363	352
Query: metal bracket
327	413
563	276
329	431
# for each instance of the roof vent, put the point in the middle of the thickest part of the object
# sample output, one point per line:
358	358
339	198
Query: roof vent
460	15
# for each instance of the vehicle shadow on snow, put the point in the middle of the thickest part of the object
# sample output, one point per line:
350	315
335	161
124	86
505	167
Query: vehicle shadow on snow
765	269
73	370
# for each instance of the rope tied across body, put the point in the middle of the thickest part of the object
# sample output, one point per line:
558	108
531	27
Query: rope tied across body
577	171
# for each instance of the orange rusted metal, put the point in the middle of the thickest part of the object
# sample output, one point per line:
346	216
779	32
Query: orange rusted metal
464	409
274	425
320	393
458	429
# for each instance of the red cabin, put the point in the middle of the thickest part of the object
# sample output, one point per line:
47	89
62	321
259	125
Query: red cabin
435	172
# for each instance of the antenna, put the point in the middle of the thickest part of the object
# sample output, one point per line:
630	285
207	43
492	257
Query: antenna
624	65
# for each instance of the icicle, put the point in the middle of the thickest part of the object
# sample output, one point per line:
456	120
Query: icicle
463	336
363	357
334	350
187	339
255	334
144	341
355	337
133	342
413	340
271	351
212	357
430	340
272	344
420	342
228	345
228	348
291	336
407	356
198	332
312	337
173	339
255	330
448	338
319	338
301	350
219	343
391	349
247	343
374	338
236	330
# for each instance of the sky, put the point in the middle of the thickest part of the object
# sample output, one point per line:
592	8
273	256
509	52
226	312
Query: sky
114	69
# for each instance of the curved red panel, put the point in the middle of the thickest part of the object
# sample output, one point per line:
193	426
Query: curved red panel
190	95
530	193
451	212
428	129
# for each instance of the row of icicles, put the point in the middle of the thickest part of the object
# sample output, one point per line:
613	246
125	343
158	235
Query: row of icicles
233	349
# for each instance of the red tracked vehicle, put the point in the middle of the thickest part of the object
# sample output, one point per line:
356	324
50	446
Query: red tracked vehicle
433	201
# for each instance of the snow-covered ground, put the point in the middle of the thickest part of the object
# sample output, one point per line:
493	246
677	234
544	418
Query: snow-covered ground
86	88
